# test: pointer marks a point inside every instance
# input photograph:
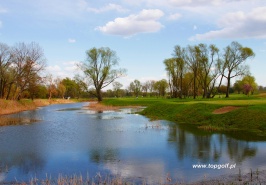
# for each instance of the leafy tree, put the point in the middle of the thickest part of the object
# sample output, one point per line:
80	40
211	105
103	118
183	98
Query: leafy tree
71	87
193	62
238	86
249	84
135	87
117	88
161	87
233	61
208	74
99	68
61	89
180	60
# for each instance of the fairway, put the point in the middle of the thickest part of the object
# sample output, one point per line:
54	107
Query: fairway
250	114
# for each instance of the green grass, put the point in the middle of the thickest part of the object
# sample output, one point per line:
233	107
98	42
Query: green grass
250	117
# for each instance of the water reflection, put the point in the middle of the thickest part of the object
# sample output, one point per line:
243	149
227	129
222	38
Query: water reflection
206	146
103	155
72	140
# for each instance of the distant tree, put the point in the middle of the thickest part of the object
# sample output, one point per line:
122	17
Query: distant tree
61	89
117	88
161	87
51	86
99	68
223	89
150	86
145	88
82	86
250	83
135	87
238	86
42	92
71	87
233	61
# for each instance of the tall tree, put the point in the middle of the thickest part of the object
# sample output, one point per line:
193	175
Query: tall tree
193	62
99	67
234	58
208	73
28	61
5	61
180	57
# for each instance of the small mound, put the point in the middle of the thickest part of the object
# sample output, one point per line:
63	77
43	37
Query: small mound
224	110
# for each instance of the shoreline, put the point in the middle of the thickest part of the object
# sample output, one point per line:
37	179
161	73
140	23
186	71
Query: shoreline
12	106
100	107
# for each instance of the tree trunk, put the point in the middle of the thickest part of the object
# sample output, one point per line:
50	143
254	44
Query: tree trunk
99	95
194	87
228	87
181	86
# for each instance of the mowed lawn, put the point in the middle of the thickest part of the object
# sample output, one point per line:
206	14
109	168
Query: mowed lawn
245	112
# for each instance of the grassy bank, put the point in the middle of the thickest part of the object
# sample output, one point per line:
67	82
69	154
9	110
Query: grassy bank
11	106
249	113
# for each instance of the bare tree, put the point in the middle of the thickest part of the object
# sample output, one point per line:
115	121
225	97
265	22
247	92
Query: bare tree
5	61
28	61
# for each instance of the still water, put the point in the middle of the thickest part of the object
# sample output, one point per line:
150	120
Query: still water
70	139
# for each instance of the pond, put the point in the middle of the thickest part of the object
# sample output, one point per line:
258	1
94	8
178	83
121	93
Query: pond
69	139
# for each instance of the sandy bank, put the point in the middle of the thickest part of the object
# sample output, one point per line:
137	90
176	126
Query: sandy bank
12	106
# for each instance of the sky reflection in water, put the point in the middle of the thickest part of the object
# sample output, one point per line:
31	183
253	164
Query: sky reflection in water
73	140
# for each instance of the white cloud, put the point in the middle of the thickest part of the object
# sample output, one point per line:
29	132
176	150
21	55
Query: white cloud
67	69
53	69
71	40
109	7
198	2
71	66
239	25
174	17
144	22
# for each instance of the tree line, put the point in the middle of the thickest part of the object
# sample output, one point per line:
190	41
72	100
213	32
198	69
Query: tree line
22	75
201	69
193	70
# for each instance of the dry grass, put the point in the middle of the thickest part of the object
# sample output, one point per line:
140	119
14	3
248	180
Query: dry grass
99	107
12	106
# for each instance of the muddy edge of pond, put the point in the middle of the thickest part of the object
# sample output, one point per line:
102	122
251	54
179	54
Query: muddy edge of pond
13	106
96	106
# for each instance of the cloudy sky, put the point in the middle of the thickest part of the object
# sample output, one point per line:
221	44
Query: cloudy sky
142	32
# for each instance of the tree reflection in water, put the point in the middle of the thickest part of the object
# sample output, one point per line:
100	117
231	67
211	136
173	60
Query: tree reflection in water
206	146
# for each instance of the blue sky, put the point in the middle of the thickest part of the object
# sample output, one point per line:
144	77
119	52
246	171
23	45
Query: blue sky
142	32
